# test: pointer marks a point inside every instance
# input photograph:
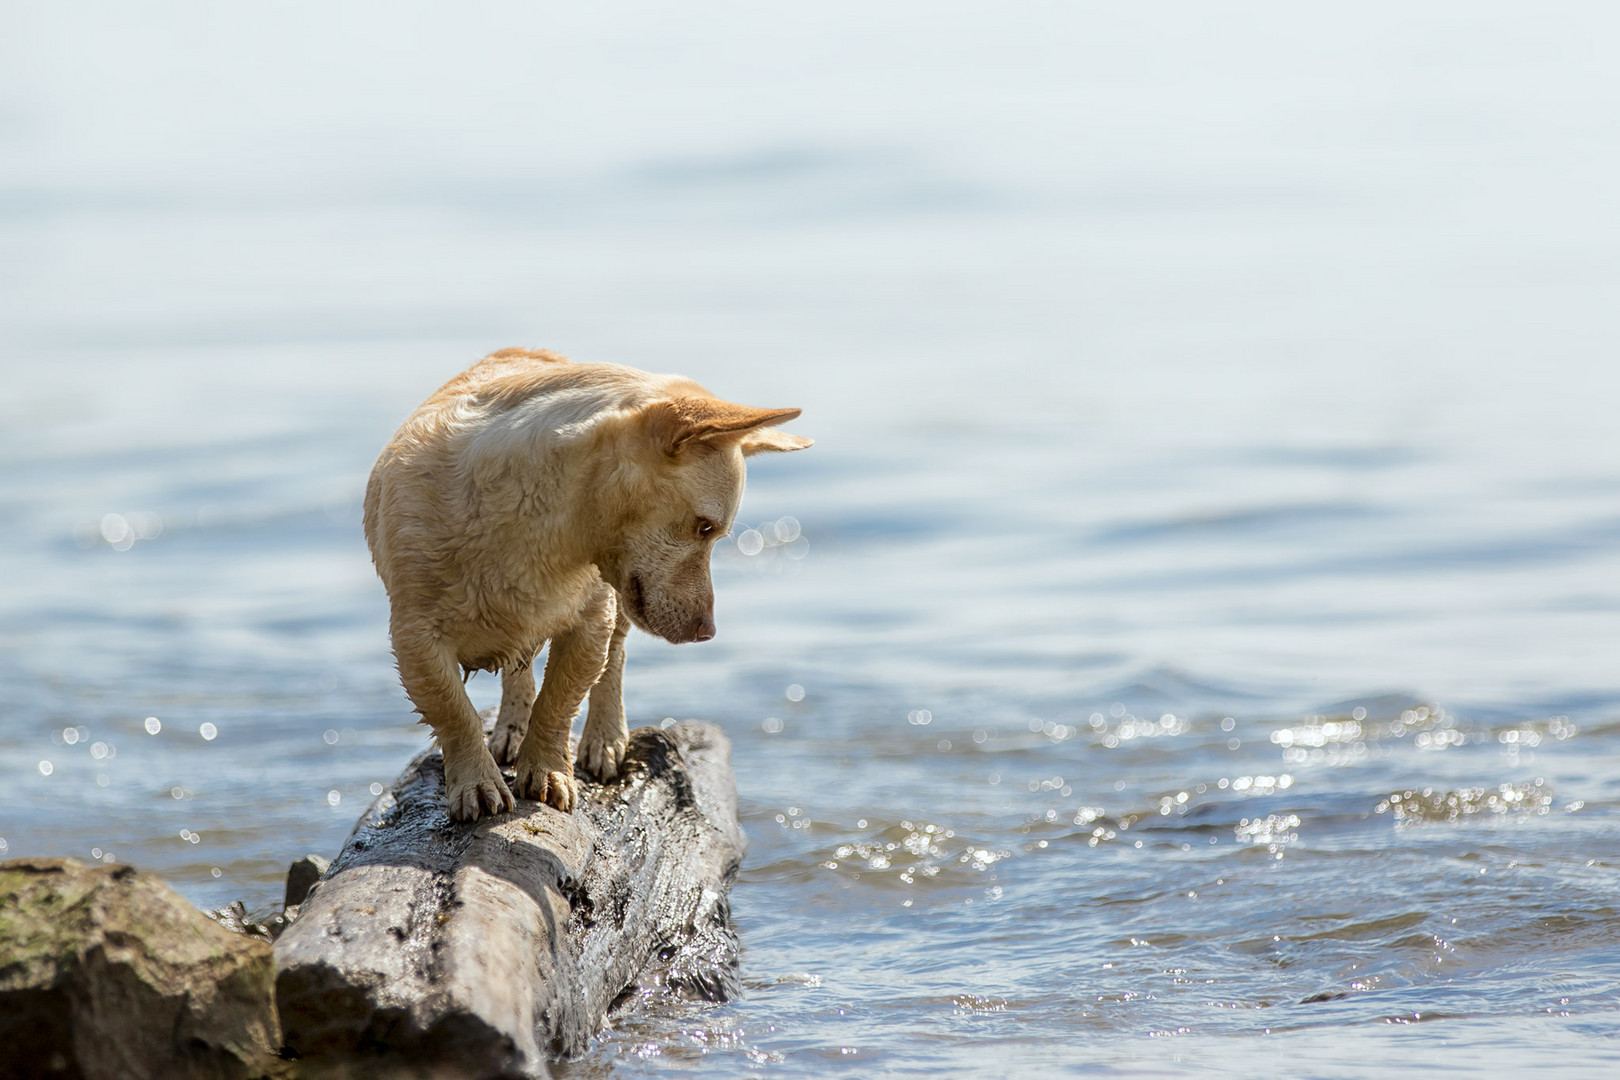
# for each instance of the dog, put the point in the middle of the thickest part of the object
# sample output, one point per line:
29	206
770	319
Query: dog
532	500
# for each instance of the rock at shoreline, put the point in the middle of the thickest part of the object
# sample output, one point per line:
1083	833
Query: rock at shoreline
429	948
302	876
106	972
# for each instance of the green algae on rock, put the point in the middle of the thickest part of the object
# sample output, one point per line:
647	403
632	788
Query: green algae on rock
108	972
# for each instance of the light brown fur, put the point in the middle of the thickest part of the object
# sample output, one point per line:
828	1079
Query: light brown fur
532	499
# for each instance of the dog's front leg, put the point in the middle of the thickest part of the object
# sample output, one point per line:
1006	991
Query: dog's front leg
606	735
574	664
512	723
472	782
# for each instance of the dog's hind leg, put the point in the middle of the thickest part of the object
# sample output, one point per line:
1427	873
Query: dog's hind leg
472	782
544	769
606	735
512	723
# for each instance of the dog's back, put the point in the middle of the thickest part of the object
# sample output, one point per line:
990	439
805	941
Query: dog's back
449	468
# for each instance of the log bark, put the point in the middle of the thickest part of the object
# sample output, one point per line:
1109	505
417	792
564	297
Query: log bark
485	947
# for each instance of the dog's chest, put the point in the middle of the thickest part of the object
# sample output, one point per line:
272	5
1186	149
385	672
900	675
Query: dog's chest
509	617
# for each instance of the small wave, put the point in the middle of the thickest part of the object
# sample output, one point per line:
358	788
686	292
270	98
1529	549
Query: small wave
1521	801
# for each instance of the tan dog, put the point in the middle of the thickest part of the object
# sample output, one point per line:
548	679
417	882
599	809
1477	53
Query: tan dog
532	499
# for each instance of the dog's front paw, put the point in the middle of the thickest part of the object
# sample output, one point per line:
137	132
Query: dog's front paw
475	789
550	786
601	756
505	740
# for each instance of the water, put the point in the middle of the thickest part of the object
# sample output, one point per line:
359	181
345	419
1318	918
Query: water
1199	654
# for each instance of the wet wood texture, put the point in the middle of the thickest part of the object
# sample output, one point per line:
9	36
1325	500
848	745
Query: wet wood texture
492	945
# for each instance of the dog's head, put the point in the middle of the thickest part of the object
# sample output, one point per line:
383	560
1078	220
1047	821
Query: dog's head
684	458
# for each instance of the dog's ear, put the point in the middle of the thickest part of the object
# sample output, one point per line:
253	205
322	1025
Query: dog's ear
767	440
685	423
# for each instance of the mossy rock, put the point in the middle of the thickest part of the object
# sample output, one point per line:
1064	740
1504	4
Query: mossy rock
108	972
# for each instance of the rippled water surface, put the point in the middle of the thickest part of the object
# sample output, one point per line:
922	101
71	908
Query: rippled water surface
1189	646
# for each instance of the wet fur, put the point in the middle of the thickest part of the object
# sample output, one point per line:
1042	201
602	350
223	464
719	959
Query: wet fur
534	500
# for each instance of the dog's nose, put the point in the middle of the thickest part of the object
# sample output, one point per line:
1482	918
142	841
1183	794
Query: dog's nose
705	629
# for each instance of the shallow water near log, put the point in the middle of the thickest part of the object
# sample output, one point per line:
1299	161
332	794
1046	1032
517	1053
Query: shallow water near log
1189	647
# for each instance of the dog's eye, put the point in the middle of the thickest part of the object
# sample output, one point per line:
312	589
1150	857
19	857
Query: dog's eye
705	528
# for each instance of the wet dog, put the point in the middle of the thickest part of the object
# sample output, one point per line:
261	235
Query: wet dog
534	500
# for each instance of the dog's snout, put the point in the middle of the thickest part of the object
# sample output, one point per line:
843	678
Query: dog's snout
705	629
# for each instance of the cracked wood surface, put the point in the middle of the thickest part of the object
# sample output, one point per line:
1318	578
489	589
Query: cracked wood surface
490	946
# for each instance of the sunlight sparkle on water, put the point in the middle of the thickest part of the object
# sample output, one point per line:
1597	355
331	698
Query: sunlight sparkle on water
1428	805
120	532
784	536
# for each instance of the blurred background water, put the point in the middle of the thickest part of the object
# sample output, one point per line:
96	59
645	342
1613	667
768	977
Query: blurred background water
1189	646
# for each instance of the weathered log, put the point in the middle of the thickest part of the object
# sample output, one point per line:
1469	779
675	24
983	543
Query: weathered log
106	972
488	946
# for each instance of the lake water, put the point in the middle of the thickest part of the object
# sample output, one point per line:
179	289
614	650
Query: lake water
1198	656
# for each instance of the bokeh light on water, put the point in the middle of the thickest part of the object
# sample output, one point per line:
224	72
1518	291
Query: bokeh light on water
1189	642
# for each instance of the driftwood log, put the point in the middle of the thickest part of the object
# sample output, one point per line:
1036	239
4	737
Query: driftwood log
483	948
